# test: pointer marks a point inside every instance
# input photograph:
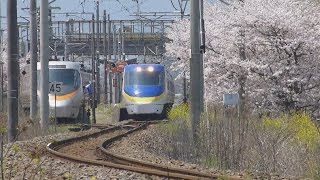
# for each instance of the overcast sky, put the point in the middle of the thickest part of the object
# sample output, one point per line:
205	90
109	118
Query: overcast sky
119	9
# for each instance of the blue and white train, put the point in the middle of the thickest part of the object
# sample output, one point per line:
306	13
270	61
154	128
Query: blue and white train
147	89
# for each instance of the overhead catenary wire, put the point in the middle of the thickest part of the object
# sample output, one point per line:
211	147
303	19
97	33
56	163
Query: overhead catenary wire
173	5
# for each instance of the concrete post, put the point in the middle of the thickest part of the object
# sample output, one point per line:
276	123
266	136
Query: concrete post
44	61
33	59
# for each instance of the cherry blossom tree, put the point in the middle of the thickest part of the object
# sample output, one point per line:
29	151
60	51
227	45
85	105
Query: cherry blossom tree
267	50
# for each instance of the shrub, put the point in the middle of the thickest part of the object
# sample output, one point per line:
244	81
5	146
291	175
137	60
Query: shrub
306	132
180	112
287	145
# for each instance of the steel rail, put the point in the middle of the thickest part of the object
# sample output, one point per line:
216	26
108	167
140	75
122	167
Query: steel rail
138	163
55	146
123	163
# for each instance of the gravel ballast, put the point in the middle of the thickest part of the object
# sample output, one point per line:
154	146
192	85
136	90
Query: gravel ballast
29	159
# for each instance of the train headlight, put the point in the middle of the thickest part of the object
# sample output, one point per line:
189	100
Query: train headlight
150	69
136	92
139	69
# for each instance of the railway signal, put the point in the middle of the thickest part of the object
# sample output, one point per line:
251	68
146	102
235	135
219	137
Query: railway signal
120	66
111	67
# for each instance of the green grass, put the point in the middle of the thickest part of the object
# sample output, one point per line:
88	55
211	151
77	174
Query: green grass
104	114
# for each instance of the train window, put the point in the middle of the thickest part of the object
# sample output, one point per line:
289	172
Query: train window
70	79
144	78
76	82
171	86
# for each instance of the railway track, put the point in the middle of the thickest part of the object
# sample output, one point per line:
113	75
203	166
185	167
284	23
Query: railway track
92	149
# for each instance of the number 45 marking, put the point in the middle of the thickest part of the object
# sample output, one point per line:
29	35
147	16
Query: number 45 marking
55	87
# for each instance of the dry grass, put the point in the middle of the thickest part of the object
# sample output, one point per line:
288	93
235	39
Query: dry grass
105	114
284	145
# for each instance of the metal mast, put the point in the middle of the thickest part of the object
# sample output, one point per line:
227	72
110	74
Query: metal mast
195	68
44	61
115	61
93	64
202	51
0	26
98	53
66	43
12	70
122	42
109	57
105	55
1	63
33	58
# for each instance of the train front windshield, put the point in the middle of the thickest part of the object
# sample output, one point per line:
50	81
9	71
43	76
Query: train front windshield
144	78
70	79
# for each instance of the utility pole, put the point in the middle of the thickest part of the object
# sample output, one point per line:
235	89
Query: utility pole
105	55
119	43
66	41
109	57
184	88
93	64
2	104
1	62
123	59
195	75
202	51
122	42
0	26
18	66
144	54
44	61
114	43
98	54
119	58
115	61
33	58
12	72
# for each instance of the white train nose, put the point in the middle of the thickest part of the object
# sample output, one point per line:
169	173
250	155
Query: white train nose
62	112
145	109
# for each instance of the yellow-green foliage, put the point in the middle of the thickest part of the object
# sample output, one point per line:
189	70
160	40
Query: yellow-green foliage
277	127
180	112
67	176
274	124
16	148
178	120
3	130
3	121
299	126
306	131
300	131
